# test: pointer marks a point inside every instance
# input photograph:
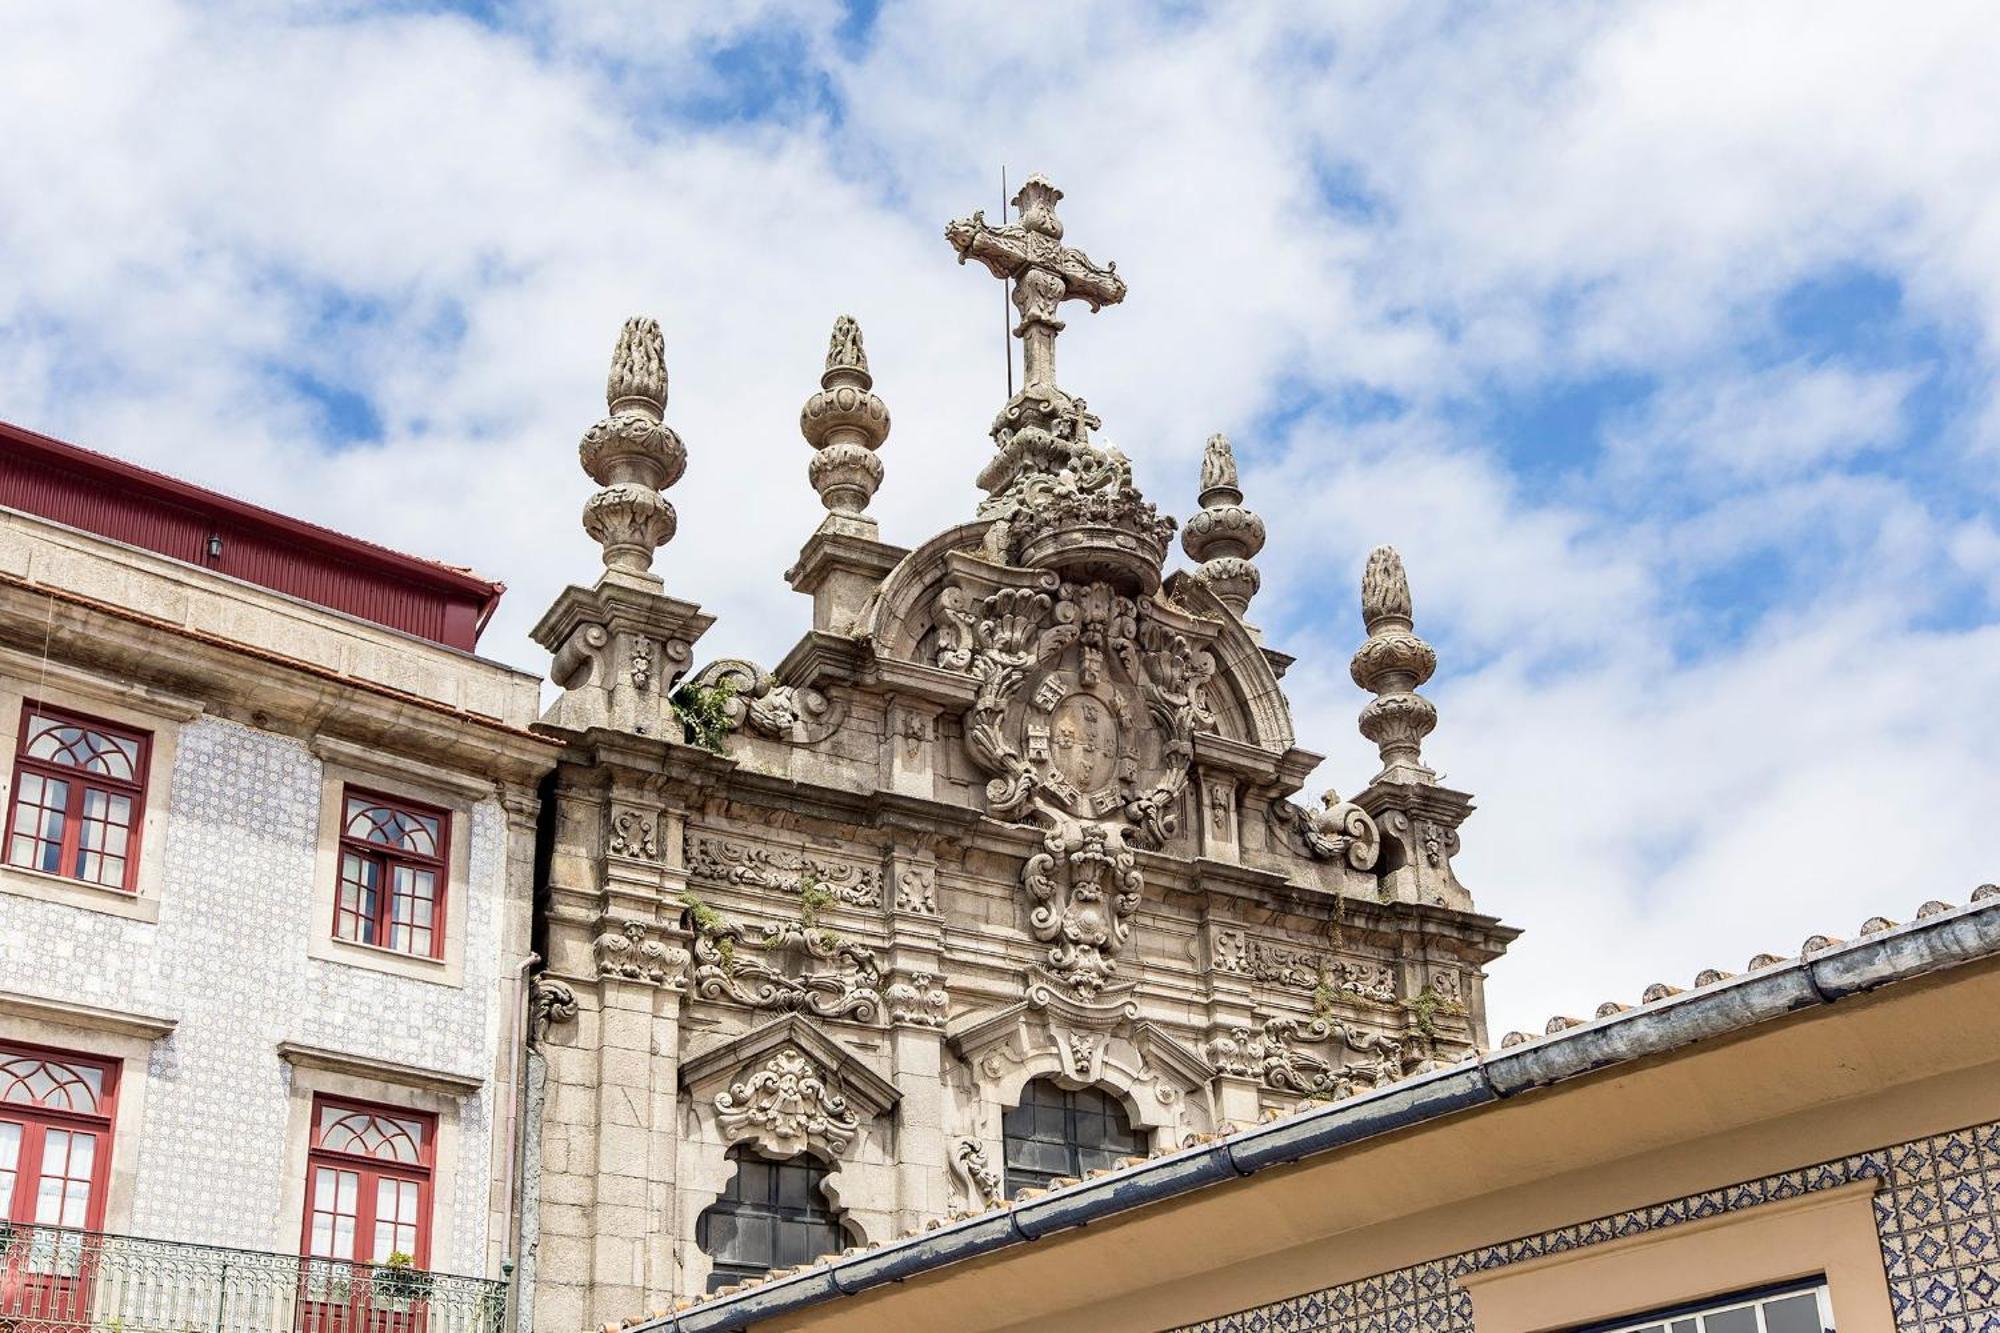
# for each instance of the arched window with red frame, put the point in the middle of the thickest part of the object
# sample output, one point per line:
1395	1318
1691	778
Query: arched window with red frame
368	1184
79	793
394	867
56	1110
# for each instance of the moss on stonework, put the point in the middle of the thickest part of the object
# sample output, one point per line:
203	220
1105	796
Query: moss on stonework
1423	1009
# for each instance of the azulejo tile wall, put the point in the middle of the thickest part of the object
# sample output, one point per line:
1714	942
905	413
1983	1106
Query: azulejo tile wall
1936	1214
228	961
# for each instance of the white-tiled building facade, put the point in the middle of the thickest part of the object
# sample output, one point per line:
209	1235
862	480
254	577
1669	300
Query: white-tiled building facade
212	986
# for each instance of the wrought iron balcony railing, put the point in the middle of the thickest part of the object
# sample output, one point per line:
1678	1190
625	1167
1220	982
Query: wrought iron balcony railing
54	1280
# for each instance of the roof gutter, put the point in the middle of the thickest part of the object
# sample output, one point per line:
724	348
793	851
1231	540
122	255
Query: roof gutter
1932	944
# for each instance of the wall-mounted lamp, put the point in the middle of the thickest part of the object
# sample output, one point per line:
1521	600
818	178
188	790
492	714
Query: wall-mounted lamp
215	546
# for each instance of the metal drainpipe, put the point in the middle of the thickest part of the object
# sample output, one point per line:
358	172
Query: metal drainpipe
517	1038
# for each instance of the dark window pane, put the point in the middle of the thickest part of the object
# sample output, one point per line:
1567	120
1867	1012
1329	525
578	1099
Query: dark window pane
753	1181
770	1215
1062	1132
1793	1314
795	1187
1731	1321
755	1240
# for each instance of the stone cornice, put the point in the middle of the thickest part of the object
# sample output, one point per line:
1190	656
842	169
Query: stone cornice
72	1013
291	694
446	1081
820	659
827	551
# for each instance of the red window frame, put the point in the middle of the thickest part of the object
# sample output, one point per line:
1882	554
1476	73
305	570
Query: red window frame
379	919
80	782
371	1170
36	1120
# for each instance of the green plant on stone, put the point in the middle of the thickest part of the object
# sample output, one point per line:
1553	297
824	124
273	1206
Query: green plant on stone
703	711
814	898
707	921
1424	1008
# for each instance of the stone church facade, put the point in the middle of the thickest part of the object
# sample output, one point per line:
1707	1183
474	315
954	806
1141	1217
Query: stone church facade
999	874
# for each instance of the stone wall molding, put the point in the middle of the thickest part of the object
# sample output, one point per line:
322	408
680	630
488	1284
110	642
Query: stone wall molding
447	1082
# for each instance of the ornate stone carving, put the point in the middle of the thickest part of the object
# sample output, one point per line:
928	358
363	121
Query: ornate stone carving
1229	951
918	999
916	890
727	861
845	424
822	974
635	835
549	1002
754	699
1085	717
1435	843
627	950
1272	1056
1224	536
1338	831
787	1106
642	663
633	455
1276	963
1044	271
1393	663
980	1181
1062	502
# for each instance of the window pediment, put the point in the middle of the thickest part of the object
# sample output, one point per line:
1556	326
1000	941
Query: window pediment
787	1086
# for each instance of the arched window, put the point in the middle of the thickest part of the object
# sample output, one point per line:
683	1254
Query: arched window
771	1214
368	1185
55	1137
1057	1132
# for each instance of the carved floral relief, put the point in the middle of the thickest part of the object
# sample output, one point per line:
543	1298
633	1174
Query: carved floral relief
1274	1057
822	974
787	1105
628	949
726	861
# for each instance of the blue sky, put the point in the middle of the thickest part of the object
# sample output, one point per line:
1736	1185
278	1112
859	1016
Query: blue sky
1660	337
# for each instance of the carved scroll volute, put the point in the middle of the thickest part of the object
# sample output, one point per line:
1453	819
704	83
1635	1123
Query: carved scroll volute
1339	831
574	662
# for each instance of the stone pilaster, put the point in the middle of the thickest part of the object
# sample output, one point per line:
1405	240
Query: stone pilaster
1217	792
838	569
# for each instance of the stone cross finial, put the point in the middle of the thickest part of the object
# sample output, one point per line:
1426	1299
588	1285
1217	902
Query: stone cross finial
1045	273
845	424
1224	536
634	456
1393	663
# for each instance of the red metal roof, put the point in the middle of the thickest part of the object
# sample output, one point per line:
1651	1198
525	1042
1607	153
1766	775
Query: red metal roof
125	502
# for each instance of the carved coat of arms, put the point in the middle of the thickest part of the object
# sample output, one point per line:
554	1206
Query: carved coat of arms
1088	704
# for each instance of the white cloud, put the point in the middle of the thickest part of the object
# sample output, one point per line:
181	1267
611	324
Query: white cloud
1547	193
